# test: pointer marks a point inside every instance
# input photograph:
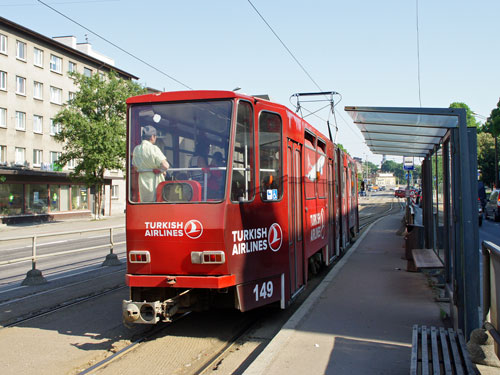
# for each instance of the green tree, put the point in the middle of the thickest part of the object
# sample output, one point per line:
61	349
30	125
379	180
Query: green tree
471	120
93	128
486	157
390	166
492	126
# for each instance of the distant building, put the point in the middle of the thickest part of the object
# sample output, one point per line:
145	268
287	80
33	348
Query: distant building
34	86
385	179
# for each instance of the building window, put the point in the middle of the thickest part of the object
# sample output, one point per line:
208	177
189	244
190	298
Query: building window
87	72
3	154
38	57
3	80
55	95
21	50
3	44
38	90
71	67
55	64
54	127
71	164
37	158
20	85
20	155
54	157
20	120
115	192
37	124
71	96
3	117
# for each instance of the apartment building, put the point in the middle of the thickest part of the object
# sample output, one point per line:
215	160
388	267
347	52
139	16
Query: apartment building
34	86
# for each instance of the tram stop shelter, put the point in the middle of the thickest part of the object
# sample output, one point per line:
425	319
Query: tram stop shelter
449	221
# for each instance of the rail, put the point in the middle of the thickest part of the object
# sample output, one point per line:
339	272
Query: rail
35	277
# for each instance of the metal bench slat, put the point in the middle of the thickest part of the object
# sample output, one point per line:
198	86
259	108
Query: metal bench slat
414	351
454	349
467	360
425	353
436	368
446	353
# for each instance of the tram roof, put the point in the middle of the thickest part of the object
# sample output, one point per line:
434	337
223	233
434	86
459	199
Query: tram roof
404	131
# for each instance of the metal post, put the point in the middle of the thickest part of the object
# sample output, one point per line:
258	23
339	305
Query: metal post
468	246
111	258
33	276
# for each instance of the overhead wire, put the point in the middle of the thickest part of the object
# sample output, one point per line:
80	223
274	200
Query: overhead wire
302	67
117	46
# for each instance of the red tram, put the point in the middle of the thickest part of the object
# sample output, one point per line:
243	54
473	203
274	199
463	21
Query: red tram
275	200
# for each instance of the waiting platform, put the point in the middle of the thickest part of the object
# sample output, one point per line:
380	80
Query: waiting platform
359	320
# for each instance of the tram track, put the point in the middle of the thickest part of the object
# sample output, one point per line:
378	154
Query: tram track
62	306
366	220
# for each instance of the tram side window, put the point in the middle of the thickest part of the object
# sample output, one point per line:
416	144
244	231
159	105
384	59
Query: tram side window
270	157
242	181
310	165
321	168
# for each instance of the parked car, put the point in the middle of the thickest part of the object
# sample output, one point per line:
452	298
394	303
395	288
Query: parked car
492	208
400	193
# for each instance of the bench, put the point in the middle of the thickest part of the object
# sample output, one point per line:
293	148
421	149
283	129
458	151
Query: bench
426	259
439	351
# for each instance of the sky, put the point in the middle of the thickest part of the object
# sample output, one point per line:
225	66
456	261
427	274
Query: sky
363	49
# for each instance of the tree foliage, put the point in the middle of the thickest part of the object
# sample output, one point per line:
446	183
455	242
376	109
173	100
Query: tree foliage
471	120
486	157
93	127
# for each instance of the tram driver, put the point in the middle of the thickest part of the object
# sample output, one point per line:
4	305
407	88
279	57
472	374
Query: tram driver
151	164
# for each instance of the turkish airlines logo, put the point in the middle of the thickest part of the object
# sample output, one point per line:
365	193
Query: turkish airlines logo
275	237
193	229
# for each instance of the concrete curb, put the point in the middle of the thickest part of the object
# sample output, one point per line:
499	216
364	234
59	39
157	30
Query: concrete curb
260	363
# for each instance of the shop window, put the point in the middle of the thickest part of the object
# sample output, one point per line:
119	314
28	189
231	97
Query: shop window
270	156
79	197
11	199
54	198
37	198
242	182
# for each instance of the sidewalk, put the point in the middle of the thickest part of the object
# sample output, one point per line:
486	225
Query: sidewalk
359	320
27	229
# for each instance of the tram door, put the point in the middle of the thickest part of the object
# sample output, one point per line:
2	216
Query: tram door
295	235
331	213
336	182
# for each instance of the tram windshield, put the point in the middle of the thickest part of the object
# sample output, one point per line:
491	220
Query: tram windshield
194	139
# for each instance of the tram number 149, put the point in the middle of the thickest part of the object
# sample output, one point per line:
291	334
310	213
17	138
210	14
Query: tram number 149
263	291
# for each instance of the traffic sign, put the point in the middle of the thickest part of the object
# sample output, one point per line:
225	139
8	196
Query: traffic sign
408	163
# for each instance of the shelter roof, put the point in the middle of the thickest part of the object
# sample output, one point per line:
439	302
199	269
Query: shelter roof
404	131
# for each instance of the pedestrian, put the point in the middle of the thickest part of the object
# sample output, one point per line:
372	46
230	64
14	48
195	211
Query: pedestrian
150	163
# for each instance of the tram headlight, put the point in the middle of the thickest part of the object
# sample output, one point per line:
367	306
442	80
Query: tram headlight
208	257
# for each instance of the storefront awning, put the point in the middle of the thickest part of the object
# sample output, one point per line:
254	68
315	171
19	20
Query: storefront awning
403	131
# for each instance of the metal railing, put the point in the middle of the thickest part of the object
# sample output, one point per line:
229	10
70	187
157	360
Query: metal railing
35	277
491	291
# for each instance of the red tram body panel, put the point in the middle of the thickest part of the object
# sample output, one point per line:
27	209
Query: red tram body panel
253	200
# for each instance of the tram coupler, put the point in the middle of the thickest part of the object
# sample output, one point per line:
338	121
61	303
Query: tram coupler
142	312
